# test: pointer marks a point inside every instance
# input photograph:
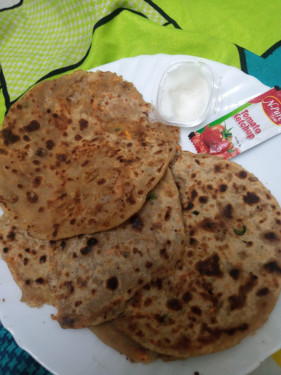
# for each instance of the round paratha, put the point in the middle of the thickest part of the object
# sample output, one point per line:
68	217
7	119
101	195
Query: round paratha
230	277
78	155
89	278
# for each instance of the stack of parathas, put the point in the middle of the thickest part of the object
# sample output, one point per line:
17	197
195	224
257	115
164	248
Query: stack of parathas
160	254
78	156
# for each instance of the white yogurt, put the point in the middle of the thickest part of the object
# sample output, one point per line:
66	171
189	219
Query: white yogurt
185	93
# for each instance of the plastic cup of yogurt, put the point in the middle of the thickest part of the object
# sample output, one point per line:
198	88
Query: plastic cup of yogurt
186	94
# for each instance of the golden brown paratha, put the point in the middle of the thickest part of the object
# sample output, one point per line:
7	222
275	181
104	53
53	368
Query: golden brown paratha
89	278
117	340
230	277
78	155
134	352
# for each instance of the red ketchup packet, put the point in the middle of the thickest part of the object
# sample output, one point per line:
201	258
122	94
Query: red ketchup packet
245	127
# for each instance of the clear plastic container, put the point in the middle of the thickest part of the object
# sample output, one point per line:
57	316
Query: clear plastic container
186	94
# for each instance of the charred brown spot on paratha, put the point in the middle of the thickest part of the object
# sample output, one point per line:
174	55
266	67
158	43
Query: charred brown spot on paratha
62	244
263	292
37	181
77	137
168	213
164	253
31	196
50	144
239	300
69	286
227	211
223	188
137	300
158	283
137	223
192	242
11	235
271	236
112	283
162	318
92	241
242	174
194	194
186	297
251	198
9	137
196	310
101	181
217	168
41	152
148	265
272	267
174	304
40	280
32	126
203	199
61	158
43	259
209	225
3	152
130	199
86	250
83	124
56	228
82	283
188	206
235	273
210	266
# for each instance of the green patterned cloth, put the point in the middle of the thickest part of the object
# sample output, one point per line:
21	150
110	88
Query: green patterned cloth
41	39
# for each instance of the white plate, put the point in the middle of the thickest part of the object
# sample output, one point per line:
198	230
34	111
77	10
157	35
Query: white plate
72	352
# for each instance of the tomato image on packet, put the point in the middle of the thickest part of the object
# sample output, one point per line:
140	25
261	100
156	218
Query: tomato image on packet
245	127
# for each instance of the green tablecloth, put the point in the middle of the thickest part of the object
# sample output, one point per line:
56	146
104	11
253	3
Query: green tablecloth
41	39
